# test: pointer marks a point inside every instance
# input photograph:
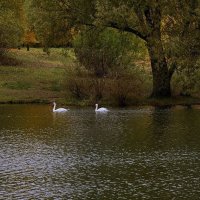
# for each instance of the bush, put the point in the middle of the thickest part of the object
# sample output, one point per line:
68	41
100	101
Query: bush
120	90
105	51
186	80
105	69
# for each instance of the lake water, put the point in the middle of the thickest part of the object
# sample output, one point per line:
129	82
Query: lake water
138	153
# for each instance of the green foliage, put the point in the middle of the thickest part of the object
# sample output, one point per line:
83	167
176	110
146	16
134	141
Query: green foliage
106	67
186	81
112	52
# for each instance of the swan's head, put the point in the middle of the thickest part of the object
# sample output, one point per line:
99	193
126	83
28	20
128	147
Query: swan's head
54	103
96	105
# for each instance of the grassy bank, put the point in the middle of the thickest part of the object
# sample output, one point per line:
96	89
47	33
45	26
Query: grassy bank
41	78
37	77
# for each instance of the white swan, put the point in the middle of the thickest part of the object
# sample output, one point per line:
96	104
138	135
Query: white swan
100	109
59	109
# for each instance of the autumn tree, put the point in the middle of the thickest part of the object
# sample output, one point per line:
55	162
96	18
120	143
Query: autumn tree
51	27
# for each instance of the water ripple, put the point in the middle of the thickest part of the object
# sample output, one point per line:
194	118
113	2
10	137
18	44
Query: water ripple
127	154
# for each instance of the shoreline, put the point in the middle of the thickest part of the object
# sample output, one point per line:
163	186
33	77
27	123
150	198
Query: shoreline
167	102
41	79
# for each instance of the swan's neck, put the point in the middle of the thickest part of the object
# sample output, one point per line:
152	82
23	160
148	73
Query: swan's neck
54	106
96	108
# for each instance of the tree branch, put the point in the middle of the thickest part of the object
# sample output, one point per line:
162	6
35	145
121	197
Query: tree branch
115	25
126	29
172	68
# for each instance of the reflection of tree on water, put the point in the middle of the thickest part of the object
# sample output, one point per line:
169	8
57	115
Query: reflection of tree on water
161	120
174	128
189	123
159	127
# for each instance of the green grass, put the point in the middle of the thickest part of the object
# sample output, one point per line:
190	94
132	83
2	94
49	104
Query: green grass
38	77
20	85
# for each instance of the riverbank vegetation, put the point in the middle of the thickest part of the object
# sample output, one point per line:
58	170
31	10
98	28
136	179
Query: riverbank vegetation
114	52
37	77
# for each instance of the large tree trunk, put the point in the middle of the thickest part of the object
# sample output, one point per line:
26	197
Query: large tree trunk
161	82
160	71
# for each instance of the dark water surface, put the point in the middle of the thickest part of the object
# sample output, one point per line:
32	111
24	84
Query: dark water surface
139	153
